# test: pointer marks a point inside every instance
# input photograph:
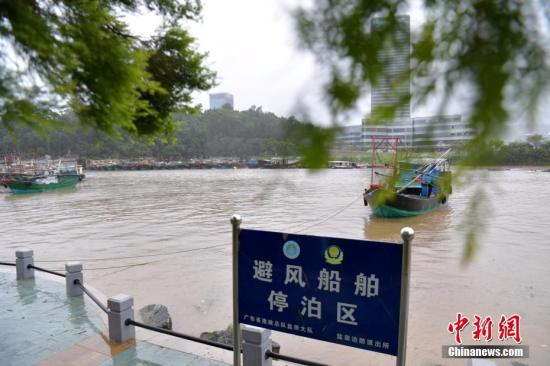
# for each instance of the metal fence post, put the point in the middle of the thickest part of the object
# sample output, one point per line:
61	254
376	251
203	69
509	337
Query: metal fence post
24	258
407	234
236	223
73	271
256	342
120	310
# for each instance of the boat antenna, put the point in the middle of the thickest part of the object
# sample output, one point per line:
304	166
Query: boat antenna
438	161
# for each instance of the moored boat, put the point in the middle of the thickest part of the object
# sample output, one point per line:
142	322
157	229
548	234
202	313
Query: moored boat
278	163
41	183
40	176
342	164
412	189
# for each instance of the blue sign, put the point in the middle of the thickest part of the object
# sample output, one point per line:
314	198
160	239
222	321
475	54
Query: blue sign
337	290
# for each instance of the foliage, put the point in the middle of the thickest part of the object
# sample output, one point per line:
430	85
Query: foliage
314	143
220	132
520	153
494	49
535	140
79	55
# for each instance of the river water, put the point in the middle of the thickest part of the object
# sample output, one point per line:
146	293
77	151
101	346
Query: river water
119	224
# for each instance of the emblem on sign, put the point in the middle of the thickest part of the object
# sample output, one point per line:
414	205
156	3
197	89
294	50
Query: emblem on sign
291	249
334	255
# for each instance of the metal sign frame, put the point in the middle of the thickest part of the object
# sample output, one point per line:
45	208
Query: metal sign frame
407	234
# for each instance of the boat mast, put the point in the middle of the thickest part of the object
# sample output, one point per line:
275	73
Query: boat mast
378	143
395	147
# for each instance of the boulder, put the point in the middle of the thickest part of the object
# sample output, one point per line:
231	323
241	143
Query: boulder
220	336
226	337
156	315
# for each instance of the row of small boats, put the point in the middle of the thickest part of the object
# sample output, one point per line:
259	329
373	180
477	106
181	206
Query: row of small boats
408	189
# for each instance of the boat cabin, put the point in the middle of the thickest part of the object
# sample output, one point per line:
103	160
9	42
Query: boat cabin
342	164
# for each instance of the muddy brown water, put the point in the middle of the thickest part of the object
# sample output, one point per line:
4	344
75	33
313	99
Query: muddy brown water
119	223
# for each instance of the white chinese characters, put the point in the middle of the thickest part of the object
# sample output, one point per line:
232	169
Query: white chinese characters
329	280
341	289
345	313
263	271
311	307
277	300
366	286
294	275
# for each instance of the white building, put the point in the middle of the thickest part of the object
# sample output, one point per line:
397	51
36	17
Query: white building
421	132
418	133
221	100
350	136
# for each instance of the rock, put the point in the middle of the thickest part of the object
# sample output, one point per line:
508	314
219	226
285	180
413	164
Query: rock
220	336
226	337
156	315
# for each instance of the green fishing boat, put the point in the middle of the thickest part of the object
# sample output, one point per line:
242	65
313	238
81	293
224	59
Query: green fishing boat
32	176
411	189
41	183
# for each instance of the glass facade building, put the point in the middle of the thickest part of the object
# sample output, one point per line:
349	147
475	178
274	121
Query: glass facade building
393	87
420	133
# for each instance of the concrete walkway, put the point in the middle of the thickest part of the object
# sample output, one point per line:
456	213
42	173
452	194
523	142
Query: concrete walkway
39	325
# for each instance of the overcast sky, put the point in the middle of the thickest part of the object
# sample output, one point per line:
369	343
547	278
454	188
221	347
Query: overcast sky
252	45
254	48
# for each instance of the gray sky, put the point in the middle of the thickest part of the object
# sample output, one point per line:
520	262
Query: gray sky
253	47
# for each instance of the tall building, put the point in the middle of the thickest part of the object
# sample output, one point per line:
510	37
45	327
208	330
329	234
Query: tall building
393	86
221	100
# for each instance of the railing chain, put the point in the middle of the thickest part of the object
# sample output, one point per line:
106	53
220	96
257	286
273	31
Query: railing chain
170	332
47	271
179	335
94	299
279	356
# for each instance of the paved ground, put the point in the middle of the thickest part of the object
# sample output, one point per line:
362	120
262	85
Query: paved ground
39	325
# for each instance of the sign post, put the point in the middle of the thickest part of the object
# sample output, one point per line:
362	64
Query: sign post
407	234
344	291
236	224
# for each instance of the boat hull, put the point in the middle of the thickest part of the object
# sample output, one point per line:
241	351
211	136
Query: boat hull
35	185
402	205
